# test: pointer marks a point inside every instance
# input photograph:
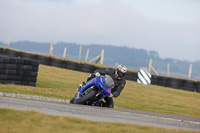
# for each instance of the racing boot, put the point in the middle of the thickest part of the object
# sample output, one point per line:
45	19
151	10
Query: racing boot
99	103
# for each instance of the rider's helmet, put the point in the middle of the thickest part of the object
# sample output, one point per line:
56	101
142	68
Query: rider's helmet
120	72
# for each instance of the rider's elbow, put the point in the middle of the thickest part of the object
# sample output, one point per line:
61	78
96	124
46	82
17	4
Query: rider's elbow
116	94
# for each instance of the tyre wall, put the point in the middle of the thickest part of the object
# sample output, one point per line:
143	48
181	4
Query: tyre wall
176	83
171	82
18	71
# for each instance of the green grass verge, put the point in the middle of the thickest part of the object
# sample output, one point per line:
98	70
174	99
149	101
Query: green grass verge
61	83
14	121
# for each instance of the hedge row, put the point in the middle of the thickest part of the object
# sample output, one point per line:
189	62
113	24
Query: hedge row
18	71
183	84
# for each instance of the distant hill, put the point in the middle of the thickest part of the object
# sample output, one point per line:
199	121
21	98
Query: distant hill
133	58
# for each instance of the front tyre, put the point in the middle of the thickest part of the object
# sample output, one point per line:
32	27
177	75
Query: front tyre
72	101
84	98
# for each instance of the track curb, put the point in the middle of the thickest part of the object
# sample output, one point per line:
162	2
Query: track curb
32	97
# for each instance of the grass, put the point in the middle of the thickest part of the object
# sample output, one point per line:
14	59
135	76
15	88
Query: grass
159	99
35	122
61	83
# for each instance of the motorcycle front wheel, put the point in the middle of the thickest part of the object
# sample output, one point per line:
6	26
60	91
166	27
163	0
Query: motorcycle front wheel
87	96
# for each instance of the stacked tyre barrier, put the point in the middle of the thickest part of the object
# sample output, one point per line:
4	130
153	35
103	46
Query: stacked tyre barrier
162	81
133	76
198	87
176	83
188	85
171	82
18	71
154	79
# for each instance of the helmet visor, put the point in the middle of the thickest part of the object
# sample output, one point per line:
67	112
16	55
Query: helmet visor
120	74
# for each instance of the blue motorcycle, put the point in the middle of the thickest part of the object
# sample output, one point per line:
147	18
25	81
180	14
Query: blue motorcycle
94	90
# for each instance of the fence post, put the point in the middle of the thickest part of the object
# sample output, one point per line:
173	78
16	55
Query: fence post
154	70
150	62
51	49
151	67
190	71
99	58
102	56
87	54
9	40
96	58
168	69
64	54
80	49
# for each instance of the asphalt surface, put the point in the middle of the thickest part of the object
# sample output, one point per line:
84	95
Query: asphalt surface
103	114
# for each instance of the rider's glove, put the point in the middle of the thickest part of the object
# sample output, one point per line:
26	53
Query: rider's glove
97	74
111	95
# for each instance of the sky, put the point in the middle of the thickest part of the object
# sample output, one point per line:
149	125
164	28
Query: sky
170	27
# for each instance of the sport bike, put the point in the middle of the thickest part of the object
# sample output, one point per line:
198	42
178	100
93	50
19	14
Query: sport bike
94	90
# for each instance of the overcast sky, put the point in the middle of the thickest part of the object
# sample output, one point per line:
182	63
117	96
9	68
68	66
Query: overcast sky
170	27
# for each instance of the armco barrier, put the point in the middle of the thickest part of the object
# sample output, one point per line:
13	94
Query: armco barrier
175	83
18	71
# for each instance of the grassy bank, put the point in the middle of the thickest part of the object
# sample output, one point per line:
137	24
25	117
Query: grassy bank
34	122
61	83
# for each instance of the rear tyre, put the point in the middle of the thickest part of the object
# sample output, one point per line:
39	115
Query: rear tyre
84	98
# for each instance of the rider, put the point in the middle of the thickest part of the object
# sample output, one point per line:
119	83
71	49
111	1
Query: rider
118	78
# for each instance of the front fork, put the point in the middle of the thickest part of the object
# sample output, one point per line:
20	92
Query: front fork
101	96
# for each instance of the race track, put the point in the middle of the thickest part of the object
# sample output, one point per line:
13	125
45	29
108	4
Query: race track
103	114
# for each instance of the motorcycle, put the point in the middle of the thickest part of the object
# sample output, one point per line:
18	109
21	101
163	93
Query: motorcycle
93	91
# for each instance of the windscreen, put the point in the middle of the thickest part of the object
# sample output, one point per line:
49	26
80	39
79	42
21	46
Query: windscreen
108	82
